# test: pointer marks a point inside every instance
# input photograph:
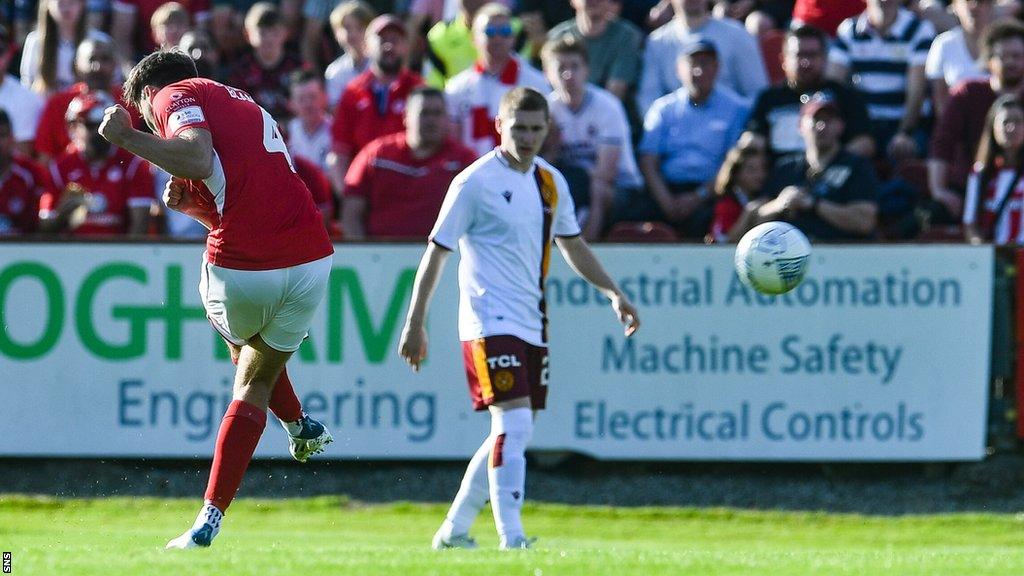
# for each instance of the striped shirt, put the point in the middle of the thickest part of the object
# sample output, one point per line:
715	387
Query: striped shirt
879	64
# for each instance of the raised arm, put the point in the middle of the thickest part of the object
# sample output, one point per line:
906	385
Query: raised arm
579	256
189	155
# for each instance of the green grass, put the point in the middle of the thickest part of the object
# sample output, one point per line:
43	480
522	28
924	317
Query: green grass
331	536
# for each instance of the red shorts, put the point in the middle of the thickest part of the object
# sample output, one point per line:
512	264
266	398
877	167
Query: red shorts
502	368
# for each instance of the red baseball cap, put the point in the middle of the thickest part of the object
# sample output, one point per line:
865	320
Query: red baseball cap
384	22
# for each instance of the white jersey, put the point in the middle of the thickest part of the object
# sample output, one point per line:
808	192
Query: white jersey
474	96
600	122
313	147
503	222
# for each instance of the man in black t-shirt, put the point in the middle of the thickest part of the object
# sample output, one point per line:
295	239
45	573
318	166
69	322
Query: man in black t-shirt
776	114
826	191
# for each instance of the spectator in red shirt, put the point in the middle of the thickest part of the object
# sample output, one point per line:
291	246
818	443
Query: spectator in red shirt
396	184
264	72
96	188
20	185
372	105
738	191
131	24
95	67
959	128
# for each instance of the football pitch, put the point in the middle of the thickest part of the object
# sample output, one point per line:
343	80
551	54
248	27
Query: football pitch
328	536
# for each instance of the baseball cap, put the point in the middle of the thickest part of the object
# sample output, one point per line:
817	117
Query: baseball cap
818	102
385	21
88	108
698	45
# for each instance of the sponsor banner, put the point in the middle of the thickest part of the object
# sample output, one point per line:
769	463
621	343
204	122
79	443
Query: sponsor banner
881	354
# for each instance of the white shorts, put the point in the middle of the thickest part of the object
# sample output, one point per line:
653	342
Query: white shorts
276	304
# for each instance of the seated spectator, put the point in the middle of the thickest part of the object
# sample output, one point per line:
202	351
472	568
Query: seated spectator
776	114
686	137
372	104
348	21
309	132
826	192
825	15
883	52
451	47
133	23
46	58
593	134
474	94
994	205
21	186
738	191
959	129
199	45
169	23
613	45
954	55
264	71
742	68
95	66
95	188
397	183
22	105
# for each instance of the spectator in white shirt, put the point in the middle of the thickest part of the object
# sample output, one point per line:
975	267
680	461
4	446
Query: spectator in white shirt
955	54
348	21
309	132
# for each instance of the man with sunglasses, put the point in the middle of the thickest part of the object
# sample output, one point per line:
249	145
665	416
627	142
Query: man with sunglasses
474	94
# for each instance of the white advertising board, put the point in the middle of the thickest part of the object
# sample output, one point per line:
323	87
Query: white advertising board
881	354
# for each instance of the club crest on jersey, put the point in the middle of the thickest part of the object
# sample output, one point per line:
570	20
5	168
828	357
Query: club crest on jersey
504	380
503	361
507	195
176	96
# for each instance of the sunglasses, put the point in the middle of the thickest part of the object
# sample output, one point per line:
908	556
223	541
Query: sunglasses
503	31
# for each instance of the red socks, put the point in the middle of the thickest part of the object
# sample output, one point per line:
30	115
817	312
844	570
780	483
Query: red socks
283	401
240	432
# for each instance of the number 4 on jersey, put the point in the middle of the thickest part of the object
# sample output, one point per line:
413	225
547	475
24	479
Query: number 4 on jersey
272	139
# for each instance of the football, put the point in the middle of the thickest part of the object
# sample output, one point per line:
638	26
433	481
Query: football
772	258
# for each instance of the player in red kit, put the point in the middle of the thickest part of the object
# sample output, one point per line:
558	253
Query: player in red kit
267	260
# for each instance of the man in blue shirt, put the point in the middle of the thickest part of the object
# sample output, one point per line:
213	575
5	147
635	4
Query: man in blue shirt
686	136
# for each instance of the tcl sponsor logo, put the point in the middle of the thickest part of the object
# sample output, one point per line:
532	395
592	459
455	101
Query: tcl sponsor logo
503	361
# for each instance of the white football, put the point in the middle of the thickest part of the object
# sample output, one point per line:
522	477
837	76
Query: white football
772	258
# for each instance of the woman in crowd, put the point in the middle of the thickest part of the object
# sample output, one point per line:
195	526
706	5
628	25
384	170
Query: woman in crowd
995	191
953	56
737	190
49	52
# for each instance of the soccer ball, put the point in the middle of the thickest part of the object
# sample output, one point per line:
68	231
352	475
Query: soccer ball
772	257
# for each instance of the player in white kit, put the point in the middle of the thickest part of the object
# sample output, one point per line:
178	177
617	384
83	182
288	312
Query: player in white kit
502	214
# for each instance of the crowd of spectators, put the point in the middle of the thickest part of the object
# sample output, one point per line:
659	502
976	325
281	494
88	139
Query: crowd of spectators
677	120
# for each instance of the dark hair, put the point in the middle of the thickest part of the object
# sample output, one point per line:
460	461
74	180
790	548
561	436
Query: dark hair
725	181
304	75
998	32
988	149
425	92
805	31
159	69
5	119
49	40
523	99
565	44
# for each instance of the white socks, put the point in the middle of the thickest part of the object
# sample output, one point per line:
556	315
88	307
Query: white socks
211	516
472	494
293	428
503	484
506	473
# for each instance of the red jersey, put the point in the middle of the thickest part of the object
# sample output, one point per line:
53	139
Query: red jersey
267	218
269	86
21	185
121	181
363	115
52	133
403	194
320	188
